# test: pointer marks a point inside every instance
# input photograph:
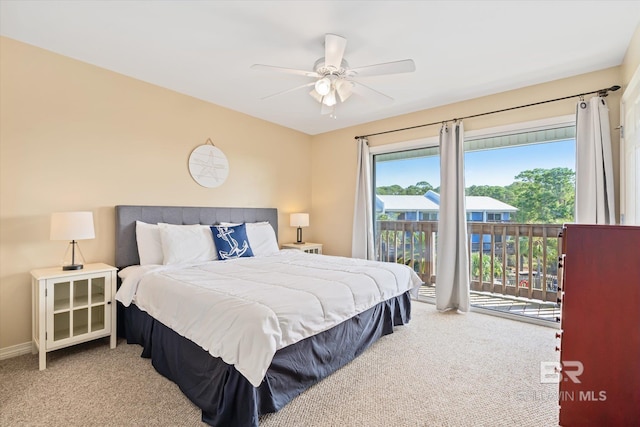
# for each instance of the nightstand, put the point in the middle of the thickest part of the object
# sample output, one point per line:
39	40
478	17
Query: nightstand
308	247
70	307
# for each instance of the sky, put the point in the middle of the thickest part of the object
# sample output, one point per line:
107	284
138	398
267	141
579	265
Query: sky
487	167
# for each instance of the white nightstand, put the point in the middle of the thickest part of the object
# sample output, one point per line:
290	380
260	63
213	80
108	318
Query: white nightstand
308	247
70	307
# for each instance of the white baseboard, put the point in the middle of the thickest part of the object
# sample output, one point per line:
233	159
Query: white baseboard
15	350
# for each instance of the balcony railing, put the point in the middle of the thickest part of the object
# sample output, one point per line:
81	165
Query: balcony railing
505	258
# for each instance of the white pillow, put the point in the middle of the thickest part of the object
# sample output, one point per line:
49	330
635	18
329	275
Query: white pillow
149	244
261	236
186	243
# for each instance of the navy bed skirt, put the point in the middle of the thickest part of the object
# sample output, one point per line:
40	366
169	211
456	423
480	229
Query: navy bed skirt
225	397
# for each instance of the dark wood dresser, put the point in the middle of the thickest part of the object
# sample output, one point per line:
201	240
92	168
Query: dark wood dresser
600	322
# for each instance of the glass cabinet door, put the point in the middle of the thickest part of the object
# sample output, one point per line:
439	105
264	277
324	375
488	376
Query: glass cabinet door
61	315
80	315
98	304
78	308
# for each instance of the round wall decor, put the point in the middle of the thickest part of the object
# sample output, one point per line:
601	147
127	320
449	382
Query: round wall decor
208	165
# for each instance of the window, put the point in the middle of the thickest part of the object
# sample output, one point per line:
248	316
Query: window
474	216
526	177
429	216
523	173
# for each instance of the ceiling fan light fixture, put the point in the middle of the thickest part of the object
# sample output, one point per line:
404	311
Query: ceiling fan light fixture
329	99
323	86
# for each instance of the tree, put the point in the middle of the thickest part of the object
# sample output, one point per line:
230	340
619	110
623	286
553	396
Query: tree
390	190
486	267
386	217
544	196
413	190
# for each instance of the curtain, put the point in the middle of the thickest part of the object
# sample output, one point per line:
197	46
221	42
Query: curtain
362	238
452	265
594	164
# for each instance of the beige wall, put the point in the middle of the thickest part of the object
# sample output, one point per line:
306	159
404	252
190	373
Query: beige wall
334	154
78	137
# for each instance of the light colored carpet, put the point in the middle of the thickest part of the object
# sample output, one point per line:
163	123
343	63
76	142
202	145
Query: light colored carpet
443	369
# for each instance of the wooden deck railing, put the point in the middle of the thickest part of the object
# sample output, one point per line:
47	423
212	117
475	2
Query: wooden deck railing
505	258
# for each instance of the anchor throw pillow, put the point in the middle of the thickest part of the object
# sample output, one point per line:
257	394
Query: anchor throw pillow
231	241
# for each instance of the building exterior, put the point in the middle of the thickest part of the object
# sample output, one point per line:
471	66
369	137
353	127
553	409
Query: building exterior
426	208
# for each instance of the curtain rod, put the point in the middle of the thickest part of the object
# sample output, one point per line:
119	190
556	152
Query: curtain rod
600	92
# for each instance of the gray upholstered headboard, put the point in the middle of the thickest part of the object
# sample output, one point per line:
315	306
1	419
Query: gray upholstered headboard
126	216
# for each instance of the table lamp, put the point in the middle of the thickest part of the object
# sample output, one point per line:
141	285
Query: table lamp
72	226
299	220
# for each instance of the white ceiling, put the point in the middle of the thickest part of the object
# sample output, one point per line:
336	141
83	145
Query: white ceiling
462	49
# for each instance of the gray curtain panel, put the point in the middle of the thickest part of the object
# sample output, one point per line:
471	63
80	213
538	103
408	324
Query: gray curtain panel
594	164
362	237
452	264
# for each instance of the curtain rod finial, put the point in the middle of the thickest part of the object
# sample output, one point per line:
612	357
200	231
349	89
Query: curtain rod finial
605	92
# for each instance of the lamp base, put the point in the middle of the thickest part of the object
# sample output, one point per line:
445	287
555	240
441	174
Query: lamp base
298	243
71	264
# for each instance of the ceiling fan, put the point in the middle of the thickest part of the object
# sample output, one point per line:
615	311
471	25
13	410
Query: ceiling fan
333	79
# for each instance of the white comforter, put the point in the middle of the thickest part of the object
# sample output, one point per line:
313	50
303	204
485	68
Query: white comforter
244	310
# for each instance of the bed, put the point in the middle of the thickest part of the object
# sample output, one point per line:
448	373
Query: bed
235	382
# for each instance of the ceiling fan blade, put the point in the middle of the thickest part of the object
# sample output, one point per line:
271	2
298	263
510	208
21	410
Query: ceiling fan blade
285	70
368	92
334	47
395	67
288	90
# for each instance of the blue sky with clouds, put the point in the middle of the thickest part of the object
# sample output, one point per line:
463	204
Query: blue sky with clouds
488	167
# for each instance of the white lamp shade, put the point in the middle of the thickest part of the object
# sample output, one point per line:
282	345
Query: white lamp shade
72	226
330	99
323	86
300	220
